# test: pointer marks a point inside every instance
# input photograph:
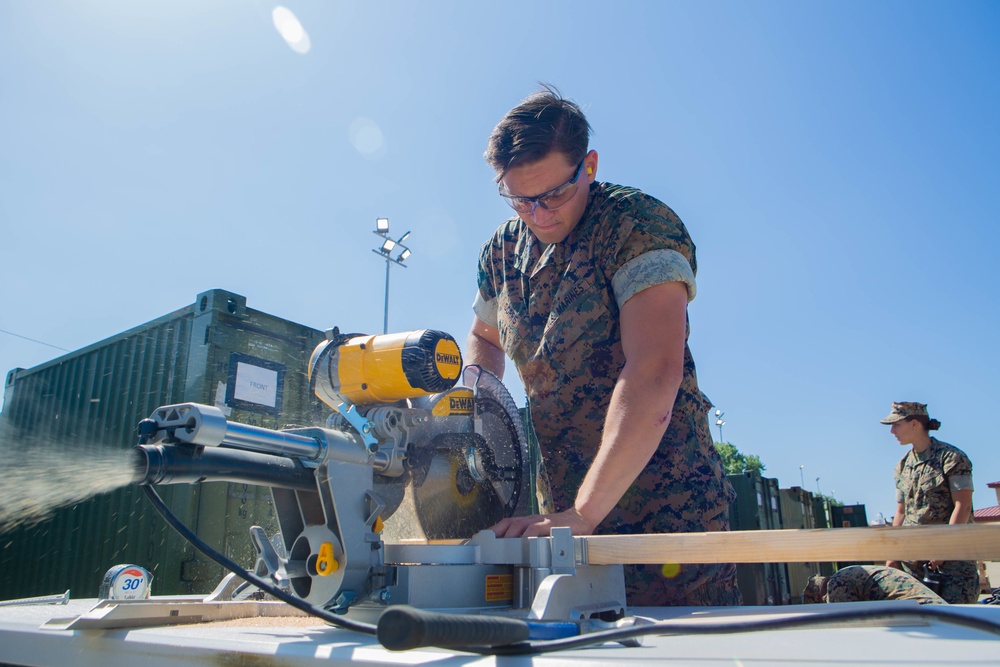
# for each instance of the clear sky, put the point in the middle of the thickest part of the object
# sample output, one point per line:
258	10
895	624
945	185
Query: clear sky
835	162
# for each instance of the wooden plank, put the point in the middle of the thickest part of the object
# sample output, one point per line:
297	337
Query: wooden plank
966	542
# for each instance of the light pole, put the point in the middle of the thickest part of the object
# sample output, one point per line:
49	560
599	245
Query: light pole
385	250
802	476
817	487
719	414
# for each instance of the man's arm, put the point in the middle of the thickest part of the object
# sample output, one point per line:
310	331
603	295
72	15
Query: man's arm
482	347
653	324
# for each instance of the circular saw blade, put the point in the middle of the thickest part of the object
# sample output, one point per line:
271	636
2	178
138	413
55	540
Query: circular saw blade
473	480
501	462
450	503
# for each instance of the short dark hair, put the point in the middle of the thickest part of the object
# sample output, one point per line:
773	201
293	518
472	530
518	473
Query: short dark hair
542	123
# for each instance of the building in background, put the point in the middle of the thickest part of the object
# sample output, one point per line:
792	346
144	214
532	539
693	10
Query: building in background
216	351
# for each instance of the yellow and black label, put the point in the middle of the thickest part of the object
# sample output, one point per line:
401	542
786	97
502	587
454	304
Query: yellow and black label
447	358
456	402
499	587
385	368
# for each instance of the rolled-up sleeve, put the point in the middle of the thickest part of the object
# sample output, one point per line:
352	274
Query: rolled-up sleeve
652	268
960	482
485	310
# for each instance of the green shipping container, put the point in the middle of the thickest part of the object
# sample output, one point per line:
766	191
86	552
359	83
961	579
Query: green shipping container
756	508
797	512
848	516
85	405
821	512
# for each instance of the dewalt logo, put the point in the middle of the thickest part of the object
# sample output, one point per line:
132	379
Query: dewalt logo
460	404
452	359
448	359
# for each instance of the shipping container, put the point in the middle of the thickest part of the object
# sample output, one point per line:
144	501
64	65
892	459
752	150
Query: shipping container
778	572
821	513
797	511
747	512
850	516
756	508
86	404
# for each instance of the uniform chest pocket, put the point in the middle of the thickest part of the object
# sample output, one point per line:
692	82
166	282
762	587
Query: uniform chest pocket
579	313
931	479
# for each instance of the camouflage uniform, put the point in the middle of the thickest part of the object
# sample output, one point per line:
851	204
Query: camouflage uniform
924	483
557	311
859	583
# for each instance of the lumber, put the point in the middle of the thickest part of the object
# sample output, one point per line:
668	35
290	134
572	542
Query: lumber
911	543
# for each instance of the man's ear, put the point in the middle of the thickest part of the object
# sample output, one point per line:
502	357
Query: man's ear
590	165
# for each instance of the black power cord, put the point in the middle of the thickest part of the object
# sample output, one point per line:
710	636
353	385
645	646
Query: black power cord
202	546
661	628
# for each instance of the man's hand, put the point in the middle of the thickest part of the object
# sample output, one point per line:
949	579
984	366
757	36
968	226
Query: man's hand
539	525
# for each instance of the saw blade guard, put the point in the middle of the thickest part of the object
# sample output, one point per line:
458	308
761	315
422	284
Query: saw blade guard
463	480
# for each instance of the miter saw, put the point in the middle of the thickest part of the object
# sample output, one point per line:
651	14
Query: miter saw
378	507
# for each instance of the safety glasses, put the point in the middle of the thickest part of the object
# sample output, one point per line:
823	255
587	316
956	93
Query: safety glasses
552	200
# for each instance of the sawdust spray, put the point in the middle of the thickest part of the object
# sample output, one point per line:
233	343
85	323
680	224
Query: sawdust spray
37	478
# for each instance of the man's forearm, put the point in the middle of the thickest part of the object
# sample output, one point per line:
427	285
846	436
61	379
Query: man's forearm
479	350
639	413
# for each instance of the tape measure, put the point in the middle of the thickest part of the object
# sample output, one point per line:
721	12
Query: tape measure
126	582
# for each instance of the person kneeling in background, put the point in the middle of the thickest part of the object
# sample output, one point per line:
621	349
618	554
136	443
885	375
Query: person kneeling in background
858	583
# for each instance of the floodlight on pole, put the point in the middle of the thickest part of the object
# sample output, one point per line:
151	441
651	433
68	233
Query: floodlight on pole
719	414
385	251
802	476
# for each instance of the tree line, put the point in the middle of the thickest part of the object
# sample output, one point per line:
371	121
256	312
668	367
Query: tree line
736	463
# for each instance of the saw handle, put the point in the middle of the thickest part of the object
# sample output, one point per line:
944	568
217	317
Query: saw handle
402	627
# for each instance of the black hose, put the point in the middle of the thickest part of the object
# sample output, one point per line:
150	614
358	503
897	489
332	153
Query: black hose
180	464
202	546
662	628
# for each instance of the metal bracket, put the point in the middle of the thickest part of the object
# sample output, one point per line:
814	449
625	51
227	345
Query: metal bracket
563	554
362	425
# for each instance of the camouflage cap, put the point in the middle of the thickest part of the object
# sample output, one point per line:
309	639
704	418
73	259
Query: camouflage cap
904	410
815	590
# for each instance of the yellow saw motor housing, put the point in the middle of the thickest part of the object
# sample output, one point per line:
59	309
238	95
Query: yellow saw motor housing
384	368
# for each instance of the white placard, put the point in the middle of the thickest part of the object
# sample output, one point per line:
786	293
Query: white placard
255	384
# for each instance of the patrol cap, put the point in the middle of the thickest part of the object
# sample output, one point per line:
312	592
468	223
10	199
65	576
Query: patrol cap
905	409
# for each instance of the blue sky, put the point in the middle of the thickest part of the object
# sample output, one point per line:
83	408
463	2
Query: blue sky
833	162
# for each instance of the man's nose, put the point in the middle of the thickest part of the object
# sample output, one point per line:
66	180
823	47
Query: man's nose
539	213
